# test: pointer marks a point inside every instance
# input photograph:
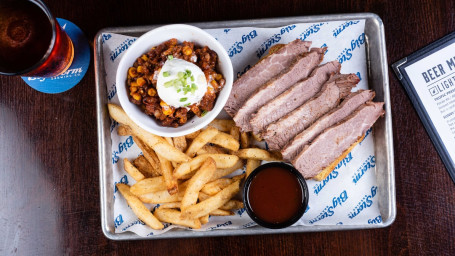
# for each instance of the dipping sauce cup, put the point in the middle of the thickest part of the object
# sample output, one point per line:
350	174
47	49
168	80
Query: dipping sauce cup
275	195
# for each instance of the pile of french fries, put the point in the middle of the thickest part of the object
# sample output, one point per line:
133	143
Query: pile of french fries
186	175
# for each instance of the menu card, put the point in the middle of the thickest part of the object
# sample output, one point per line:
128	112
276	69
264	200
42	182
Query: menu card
428	76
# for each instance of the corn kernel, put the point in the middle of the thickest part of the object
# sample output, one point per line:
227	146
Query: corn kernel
141	81
136	96
132	72
133	89
187	50
168	111
214	84
163	104
151	92
218	77
140	69
144	57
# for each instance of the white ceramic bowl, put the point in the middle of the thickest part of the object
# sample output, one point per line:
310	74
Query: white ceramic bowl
154	38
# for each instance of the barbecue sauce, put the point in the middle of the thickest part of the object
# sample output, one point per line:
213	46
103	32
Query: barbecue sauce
275	195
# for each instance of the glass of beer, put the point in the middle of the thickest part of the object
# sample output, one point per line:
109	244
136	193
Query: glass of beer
32	43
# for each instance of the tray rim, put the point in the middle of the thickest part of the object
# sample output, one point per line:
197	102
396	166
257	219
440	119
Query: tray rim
265	22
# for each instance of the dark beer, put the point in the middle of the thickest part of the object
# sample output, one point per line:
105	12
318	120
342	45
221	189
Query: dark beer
31	41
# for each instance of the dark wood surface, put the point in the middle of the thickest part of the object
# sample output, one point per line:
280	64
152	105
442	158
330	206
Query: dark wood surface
49	192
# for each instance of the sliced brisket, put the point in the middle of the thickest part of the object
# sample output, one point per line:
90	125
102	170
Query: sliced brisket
262	72
278	134
300	69
329	145
348	106
294	97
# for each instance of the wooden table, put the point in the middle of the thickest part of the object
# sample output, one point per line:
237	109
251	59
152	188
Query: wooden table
49	192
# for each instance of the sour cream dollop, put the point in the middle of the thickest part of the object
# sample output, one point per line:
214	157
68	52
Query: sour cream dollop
181	83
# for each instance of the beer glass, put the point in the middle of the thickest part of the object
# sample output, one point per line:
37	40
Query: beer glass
32	43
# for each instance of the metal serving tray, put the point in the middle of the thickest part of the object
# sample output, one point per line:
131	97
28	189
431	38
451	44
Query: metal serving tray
377	80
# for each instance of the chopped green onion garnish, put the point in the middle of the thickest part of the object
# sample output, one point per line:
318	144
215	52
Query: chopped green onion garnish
186	105
170	57
204	113
179	90
169	84
183	99
188	72
166	74
180	74
192	78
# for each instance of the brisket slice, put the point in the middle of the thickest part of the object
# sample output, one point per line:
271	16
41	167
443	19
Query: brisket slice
300	68
347	106
278	134
294	97
262	72
329	145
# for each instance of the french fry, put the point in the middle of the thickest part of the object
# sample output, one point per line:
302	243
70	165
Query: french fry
180	143
124	130
251	164
157	143
132	171
188	175
207	206
244	140
202	196
173	205
257	154
216	186
226	171
219	212
221	160
149	154
163	196
145	167
139	208
204	219
148	185
226	141
203	138
232	205
166	169
223	125
182	170
256	137
209	149
174	217
160	197
235	133
196	183
192	135
170	141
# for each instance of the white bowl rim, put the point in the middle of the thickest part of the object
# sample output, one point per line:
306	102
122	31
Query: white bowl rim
136	114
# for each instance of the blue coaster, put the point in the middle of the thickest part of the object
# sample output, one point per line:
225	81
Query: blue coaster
75	72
